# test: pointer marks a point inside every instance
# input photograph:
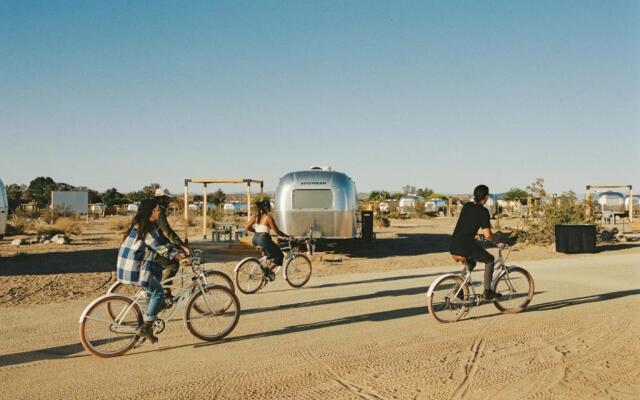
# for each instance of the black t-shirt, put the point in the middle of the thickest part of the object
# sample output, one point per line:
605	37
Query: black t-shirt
472	217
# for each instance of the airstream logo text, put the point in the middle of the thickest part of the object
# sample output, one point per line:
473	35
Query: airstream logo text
313	183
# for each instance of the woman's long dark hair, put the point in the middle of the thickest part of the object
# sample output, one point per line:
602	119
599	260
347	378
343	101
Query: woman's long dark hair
262	207
141	219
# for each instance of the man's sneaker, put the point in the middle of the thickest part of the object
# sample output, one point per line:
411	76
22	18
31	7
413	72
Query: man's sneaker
490	295
146	331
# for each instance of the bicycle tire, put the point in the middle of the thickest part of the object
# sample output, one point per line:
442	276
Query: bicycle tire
219	275
91	345
439	303
249	276
516	276
231	314
303	265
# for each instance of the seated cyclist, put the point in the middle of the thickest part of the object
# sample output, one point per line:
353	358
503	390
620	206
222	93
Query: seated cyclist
473	217
261	225
136	260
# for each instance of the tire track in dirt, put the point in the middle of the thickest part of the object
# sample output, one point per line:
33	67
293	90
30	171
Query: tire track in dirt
470	368
362	391
26	296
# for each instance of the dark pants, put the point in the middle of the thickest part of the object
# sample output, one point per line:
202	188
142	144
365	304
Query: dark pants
271	250
169	267
474	253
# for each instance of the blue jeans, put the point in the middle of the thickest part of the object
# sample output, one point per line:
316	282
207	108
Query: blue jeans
156	299
271	250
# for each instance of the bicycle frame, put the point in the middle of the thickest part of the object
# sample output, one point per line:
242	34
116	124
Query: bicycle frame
500	268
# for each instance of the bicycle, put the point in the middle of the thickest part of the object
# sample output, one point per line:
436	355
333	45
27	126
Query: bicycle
109	324
253	273
449	297
210	277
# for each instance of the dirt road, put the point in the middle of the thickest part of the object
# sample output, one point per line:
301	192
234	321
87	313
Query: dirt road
358	336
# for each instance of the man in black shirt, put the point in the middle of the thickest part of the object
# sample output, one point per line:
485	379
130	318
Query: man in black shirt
463	242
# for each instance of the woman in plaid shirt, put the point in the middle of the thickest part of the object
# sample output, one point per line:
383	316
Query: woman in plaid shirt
136	260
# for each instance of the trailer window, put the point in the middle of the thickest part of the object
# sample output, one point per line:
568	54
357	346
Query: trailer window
312	198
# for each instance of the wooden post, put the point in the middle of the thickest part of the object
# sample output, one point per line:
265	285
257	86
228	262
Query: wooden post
449	211
630	204
587	211
186	211
261	188
248	201
205	211
528	206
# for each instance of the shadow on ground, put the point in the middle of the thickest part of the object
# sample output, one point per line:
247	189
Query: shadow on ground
405	244
102	260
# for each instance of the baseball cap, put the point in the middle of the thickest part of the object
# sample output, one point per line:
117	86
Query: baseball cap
163	192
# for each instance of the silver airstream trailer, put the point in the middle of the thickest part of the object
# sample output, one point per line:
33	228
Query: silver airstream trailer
4	209
319	201
612	202
407	204
635	201
435	207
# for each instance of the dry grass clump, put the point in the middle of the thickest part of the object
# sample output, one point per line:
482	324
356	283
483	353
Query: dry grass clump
119	223
68	226
19	225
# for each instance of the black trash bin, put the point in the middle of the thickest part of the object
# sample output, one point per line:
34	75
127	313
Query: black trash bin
367	225
574	238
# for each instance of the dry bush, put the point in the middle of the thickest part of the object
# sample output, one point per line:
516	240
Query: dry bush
381	221
192	219
69	226
540	225
119	224
51	230
19	225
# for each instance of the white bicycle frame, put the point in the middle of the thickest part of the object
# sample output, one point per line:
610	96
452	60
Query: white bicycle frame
196	275
500	269
289	254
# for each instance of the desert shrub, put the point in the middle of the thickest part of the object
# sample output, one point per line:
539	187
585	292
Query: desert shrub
119	223
51	230
18	225
382	221
192	219
539	227
35	214
69	226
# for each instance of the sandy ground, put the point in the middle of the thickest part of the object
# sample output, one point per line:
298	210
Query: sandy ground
364	336
360	329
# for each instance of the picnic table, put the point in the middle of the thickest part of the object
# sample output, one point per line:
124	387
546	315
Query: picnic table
226	232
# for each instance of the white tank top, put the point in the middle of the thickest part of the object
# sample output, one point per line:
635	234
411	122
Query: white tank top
259	228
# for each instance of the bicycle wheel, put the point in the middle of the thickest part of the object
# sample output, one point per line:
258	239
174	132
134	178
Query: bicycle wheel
516	288
107	336
249	276
444	304
219	319
214	278
219	278
298	270
127	290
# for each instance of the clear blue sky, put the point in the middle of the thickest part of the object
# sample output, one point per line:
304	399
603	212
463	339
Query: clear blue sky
441	94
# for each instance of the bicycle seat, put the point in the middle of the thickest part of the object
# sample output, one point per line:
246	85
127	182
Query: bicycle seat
460	259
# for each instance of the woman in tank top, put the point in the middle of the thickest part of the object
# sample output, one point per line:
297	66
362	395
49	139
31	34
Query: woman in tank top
261	225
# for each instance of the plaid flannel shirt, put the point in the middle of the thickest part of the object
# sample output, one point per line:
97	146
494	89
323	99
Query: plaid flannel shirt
136	258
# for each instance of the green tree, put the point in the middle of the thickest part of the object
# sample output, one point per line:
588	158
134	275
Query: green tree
15	195
39	190
218	197
516	194
407	189
94	196
64	187
426	192
112	197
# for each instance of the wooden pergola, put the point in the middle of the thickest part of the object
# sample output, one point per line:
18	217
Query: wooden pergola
629	187
205	182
